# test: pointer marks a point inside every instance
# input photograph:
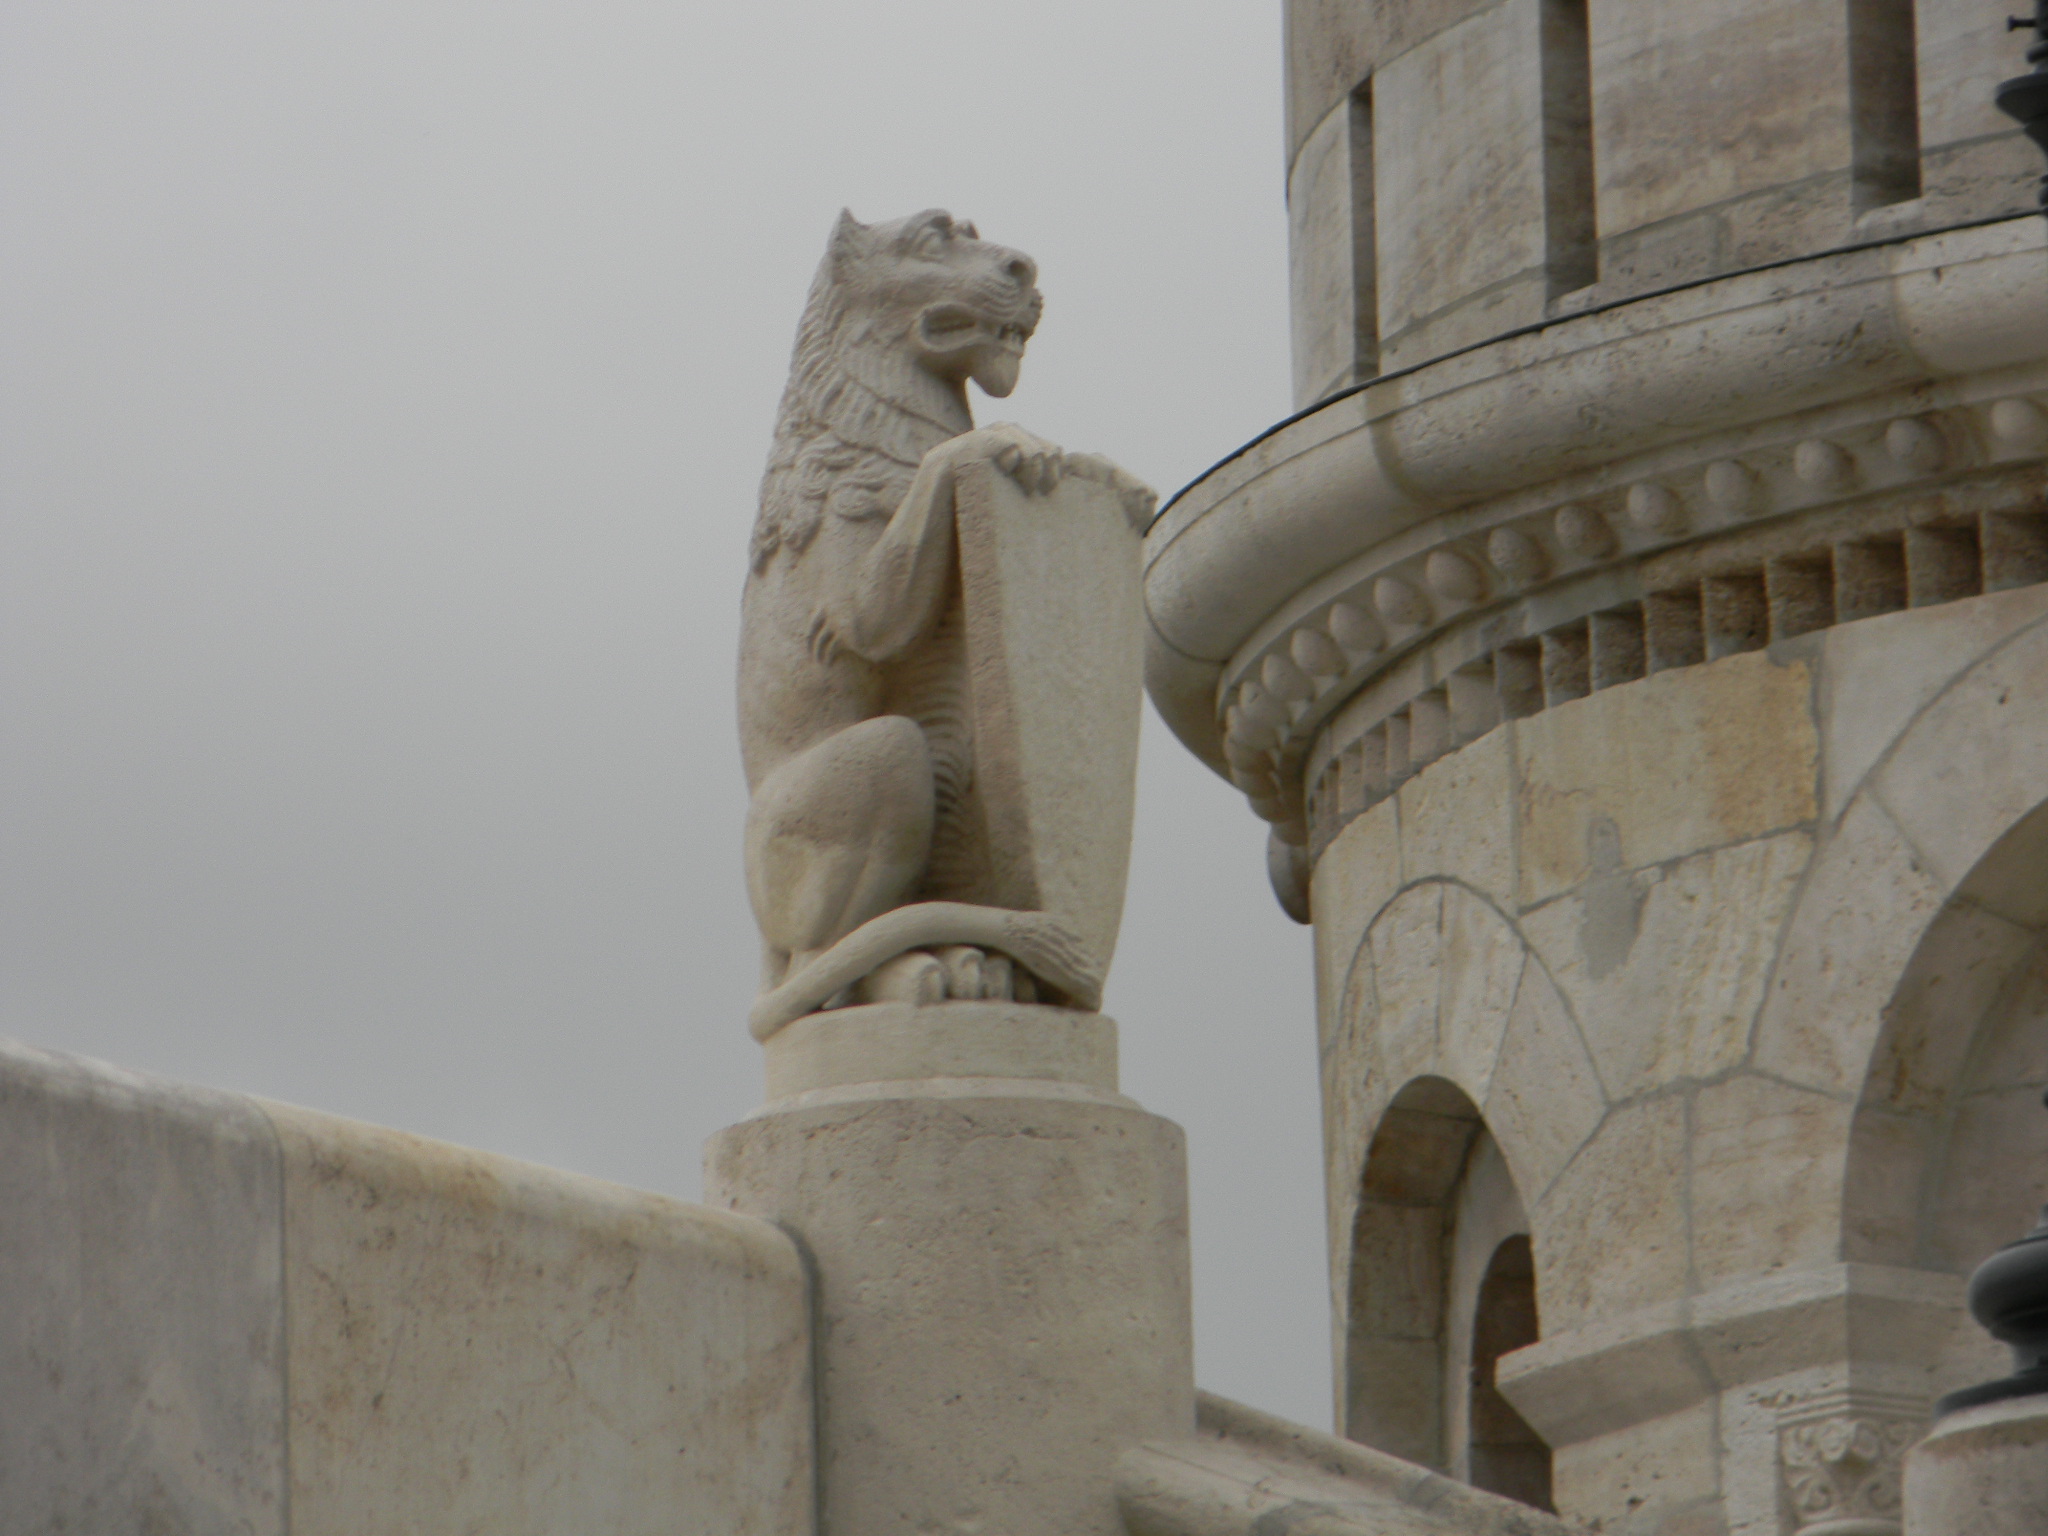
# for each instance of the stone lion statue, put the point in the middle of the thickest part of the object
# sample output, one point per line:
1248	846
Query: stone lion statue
864	874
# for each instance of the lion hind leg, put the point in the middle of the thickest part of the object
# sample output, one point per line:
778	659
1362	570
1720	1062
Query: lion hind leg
1038	942
839	834
915	978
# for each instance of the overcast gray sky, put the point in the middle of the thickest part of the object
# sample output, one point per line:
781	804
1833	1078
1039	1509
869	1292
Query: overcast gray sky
384	390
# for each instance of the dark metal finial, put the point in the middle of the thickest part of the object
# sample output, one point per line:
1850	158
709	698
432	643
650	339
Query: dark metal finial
2025	97
2009	1297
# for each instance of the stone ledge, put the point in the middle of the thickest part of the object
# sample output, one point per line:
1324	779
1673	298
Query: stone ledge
1248	1473
1649	1364
1260	545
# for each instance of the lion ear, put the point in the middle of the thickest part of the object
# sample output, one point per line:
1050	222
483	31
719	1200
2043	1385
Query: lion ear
846	235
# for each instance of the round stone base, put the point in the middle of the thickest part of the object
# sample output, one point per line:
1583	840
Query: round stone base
1001	1297
895	1042
1982	1472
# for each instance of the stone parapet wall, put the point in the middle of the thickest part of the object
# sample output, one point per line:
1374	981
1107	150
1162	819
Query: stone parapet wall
1457	169
1743	969
219	1315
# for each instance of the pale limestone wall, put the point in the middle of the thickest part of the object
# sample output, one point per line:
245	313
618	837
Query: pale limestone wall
1742	967
224	1316
1723	135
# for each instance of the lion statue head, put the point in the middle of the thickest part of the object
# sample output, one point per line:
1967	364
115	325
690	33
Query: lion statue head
900	317
931	289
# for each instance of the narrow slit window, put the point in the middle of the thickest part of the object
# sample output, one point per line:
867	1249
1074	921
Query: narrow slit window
1365	275
1508	1457
1884	104
1571	237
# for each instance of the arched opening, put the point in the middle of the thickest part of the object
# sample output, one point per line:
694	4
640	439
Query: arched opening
1503	1454
1442	1284
1949	1145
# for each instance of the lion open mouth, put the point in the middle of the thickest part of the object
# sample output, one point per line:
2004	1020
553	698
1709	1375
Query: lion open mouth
949	327
958	339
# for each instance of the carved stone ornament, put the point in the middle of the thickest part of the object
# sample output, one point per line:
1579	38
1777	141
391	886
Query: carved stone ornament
940	652
1841	1466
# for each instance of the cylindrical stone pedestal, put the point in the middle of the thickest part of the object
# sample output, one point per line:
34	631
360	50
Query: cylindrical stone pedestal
1982	1472
1002	1283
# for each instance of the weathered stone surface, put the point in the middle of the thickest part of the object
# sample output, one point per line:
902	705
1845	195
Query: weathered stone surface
1648	1478
504	1345
1982	1472
1406	942
1857	920
1457	818
1333	319
1736	1050
1953	803
1965	958
252	1320
1891	1151
1249	1474
1610	1232
1766	1170
1480	966
1003	1294
1652	115
1878	674
1606	760
1349	889
1459	147
141	1282
880	1042
1332	45
1973	160
1545	1099
1404	1300
1666	970
1615	1370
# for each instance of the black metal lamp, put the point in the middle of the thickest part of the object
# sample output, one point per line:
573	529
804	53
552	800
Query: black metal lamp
2009	1296
2025	98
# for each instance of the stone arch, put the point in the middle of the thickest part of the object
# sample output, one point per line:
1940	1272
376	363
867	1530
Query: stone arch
1443	984
1970	768
1432	1305
1910	983
1393	1356
1948	1151
1453	1068
1503	1452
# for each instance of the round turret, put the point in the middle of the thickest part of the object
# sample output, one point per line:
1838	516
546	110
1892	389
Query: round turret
1637	644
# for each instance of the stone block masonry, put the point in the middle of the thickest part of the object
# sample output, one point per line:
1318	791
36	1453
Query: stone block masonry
225	1317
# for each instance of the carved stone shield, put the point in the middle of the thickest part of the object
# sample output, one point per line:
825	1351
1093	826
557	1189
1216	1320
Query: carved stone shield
1053	611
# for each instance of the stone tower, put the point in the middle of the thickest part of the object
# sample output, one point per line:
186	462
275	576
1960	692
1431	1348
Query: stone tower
1638	643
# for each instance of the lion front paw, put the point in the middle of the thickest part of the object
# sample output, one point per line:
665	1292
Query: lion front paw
1025	457
1138	499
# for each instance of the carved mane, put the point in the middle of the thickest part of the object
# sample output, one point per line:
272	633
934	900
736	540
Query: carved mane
858	414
